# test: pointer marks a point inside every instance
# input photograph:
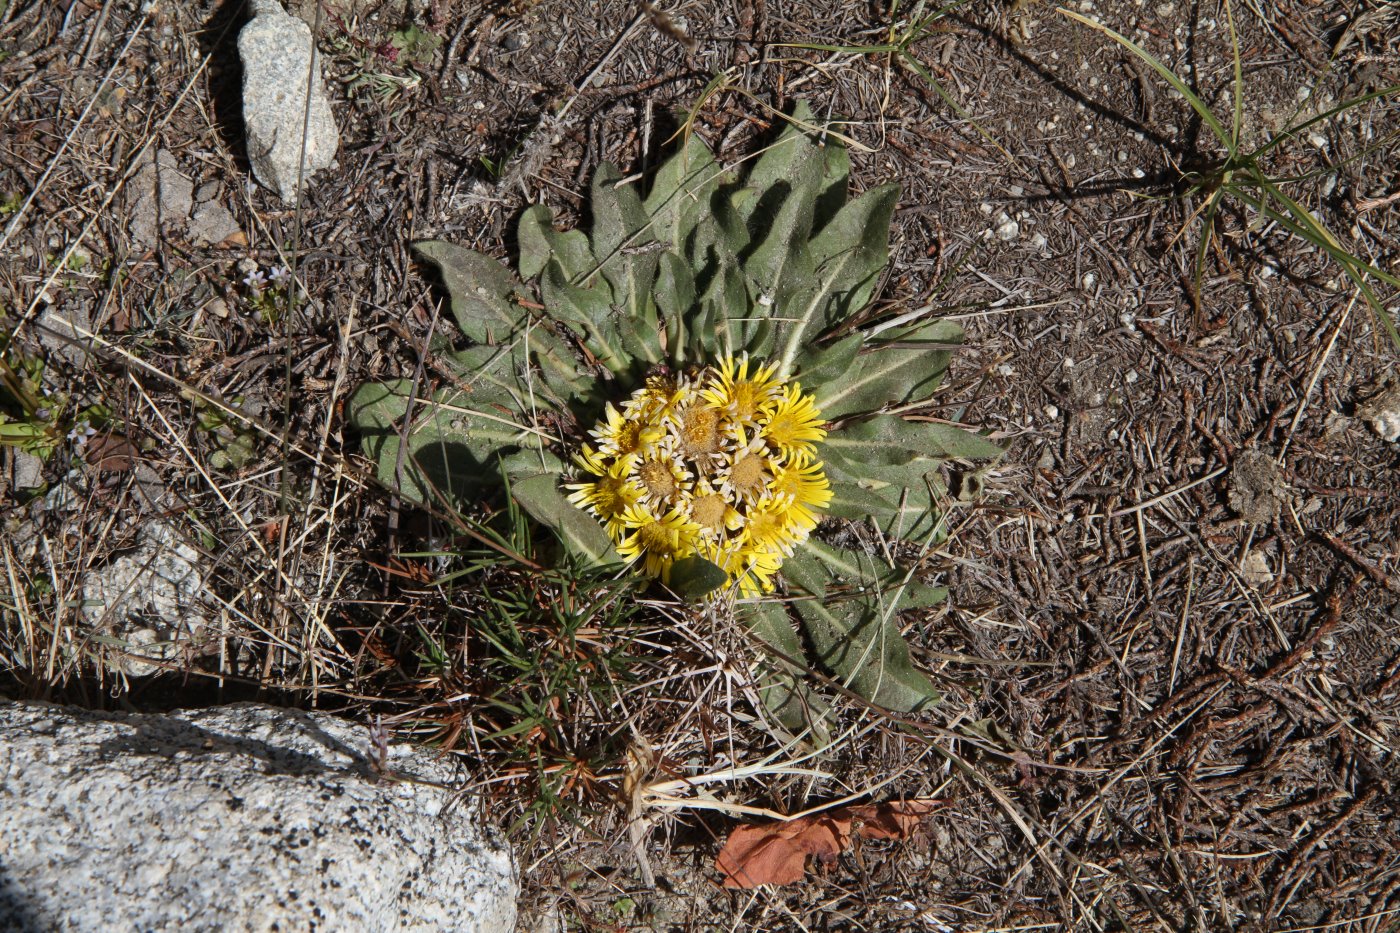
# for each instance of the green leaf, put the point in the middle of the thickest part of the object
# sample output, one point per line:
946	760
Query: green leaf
904	501
451	436
847	258
710	332
783	160
480	289
540	242
621	228
907	366
535	484
557	365
716	243
816	366
836	173
675	297
862	646
891	440
681	191
803	571
855	248
693	577
780	226
588	311
782	687
894	589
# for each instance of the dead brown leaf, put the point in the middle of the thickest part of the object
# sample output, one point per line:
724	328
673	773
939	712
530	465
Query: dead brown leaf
111	453
776	852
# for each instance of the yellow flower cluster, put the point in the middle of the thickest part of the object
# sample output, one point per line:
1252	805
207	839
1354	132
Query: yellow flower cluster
720	463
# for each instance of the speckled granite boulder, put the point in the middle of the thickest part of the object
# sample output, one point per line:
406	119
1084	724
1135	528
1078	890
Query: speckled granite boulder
237	818
278	55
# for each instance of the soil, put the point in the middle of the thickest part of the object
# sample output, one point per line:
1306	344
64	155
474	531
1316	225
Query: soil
1171	656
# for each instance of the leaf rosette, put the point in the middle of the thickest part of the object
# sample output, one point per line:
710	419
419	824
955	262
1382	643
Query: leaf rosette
695	385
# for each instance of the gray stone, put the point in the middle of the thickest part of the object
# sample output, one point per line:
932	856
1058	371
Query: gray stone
211	224
28	471
145	604
162	196
237	818
278	55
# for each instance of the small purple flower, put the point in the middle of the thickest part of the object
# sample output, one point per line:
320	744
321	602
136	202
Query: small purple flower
255	280
281	276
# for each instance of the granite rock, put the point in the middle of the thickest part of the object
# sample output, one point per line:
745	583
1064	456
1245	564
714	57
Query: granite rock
243	817
278	55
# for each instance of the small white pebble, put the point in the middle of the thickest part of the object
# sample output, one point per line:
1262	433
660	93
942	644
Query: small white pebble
1067	362
1051	412
1008	231
1038	242
1131	376
1015	191
1090	279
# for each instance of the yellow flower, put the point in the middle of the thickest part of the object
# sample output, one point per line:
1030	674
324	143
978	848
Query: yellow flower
663	476
619	436
718	463
658	542
712	512
740	395
611	495
746	474
804	484
793	423
769	526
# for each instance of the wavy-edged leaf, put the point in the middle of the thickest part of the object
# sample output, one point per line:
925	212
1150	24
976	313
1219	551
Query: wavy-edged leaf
836	173
540	242
451	436
480	289
557	365
675	299
621	230
681	191
907	366
856	244
586	310
716	244
846	258
781	160
710	331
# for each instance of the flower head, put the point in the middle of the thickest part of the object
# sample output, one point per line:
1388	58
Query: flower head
718	463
